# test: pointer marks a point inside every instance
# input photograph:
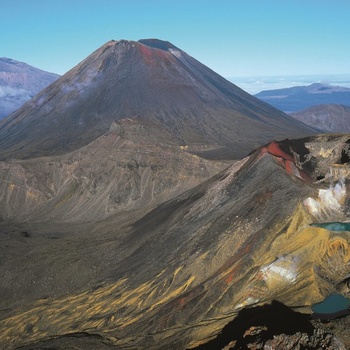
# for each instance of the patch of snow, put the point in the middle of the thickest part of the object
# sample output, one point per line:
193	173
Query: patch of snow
176	53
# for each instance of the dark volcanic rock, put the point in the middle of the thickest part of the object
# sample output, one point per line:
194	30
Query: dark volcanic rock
151	82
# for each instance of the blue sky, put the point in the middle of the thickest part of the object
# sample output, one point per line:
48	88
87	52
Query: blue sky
234	38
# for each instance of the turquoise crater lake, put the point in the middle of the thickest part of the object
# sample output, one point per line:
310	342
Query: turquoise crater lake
334	226
332	304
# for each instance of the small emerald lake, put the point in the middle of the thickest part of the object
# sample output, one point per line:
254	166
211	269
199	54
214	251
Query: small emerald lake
334	226
332	304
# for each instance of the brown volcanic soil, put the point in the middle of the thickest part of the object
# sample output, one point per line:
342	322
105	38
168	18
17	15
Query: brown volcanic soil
173	276
151	82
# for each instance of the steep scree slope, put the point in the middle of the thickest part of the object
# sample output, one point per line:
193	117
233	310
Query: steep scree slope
150	81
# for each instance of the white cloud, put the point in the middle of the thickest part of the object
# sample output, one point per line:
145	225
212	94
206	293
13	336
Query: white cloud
6	91
254	85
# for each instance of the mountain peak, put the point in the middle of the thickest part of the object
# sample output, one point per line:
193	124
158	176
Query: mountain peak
154	83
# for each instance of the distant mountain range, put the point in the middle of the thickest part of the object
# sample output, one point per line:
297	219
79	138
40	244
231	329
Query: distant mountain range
328	118
19	82
298	98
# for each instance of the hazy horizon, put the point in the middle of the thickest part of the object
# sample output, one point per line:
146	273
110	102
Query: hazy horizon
256	84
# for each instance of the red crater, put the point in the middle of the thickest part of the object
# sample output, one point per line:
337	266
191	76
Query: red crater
275	149
286	160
